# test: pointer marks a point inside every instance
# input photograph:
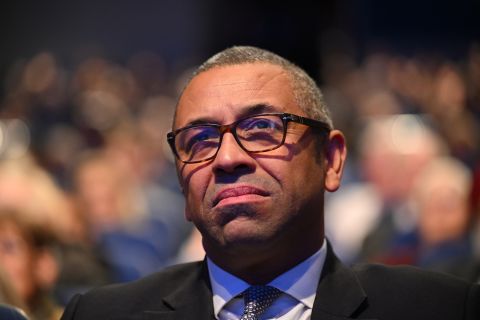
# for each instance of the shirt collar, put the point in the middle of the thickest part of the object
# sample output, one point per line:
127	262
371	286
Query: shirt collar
300	282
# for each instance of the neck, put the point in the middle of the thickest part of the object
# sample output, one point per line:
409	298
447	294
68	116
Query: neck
259	266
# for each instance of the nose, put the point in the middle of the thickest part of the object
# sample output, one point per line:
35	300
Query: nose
231	157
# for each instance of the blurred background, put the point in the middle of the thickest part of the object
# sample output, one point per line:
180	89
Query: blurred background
88	192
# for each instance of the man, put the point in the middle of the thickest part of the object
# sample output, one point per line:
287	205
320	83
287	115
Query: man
255	150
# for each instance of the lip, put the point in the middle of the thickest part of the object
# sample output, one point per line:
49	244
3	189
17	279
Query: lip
238	192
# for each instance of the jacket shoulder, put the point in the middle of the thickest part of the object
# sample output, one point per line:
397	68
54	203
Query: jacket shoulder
129	298
162	282
409	290
405	276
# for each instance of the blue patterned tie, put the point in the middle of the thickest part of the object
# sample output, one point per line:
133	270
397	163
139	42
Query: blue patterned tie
257	300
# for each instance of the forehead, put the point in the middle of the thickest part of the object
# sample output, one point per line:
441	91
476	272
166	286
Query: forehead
223	94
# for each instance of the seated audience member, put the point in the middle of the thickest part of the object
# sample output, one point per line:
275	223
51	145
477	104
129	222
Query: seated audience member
364	217
8	295
442	240
133	240
27	188
28	258
255	152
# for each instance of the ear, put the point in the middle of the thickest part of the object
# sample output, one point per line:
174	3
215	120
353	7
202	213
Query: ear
335	156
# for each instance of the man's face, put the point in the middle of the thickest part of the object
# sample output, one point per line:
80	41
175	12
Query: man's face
243	201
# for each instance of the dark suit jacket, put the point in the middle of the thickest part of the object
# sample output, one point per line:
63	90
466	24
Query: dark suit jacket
363	292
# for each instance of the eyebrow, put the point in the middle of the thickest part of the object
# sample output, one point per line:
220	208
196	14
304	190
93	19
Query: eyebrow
246	111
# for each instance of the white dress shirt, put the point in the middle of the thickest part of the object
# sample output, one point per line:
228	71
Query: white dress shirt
299	287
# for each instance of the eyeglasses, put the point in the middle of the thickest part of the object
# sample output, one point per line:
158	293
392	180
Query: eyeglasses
254	134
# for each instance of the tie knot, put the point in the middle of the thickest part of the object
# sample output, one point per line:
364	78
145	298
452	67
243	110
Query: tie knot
257	300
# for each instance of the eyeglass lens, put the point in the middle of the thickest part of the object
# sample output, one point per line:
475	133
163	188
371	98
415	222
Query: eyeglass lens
255	134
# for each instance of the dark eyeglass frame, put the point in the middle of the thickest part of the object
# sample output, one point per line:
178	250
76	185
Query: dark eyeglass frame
232	128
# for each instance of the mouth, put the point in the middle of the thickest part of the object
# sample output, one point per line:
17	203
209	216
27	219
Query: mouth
238	194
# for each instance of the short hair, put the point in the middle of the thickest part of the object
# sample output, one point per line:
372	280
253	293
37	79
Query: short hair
306	92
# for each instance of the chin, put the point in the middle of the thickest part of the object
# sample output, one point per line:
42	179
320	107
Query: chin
236	214
244	234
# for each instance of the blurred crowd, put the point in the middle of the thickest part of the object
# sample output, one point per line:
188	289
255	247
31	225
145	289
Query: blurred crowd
412	190
88	191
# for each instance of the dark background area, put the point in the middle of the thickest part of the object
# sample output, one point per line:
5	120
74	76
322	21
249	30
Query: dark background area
186	32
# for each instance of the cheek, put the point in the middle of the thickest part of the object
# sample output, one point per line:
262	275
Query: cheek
293	167
275	169
194	185
19	270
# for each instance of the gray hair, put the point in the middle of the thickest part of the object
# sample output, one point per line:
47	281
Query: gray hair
306	92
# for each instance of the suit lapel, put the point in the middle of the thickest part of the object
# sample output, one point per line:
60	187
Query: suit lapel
192	300
339	293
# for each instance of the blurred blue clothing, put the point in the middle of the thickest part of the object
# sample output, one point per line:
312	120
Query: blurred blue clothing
455	256
10	313
147	246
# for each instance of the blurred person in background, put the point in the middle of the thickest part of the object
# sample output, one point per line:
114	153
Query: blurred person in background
27	254
446	220
135	236
108	200
27	188
442	240
392	151
8	294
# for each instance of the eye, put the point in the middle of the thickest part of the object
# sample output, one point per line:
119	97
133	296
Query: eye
258	124
10	246
261	131
198	138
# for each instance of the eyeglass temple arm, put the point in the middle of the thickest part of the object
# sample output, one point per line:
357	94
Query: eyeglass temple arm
307	121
